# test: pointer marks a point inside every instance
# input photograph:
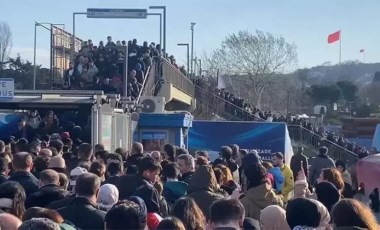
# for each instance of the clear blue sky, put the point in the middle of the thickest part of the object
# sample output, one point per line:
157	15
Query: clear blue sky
304	22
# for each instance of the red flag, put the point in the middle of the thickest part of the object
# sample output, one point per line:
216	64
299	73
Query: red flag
361	51
333	37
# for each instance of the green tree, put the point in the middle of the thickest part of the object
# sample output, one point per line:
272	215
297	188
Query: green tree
324	94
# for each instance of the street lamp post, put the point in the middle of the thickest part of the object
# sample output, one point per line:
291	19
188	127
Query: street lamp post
74	38
187	56
163	8
192	47
41	24
158	14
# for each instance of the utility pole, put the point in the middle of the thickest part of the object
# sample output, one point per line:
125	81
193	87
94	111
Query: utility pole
192	47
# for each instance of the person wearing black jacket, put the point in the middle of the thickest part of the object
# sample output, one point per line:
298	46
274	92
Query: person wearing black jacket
22	165
295	163
49	190
82	211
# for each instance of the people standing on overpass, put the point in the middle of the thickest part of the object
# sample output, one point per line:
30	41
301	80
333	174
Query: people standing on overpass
320	162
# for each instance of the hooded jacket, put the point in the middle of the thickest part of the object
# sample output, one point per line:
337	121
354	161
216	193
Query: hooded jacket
173	190
203	187
259	197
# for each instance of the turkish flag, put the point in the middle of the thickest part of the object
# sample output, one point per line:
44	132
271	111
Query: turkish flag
333	37
361	51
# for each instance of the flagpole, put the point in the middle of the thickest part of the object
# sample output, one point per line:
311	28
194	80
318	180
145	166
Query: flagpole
340	47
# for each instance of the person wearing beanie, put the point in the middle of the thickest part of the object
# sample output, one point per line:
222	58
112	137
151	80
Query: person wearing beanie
325	215
327	194
57	163
321	161
273	217
302	214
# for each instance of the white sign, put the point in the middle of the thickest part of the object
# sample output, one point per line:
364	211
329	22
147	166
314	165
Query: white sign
117	13
7	88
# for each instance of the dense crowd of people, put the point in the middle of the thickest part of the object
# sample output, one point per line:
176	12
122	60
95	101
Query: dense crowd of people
67	186
333	137
103	67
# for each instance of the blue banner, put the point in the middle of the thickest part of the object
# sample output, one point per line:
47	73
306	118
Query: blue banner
266	138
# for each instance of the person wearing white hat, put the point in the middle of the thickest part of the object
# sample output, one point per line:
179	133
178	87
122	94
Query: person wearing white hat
73	177
108	196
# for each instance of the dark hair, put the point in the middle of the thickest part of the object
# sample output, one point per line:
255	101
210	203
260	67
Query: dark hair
189	213
84	151
150	164
122	152
202	160
224	211
279	155
256	175
114	157
202	153
22	160
41	163
126	215
3	165
323	150
170	151
22	145
219	161
226	152
57	144
103	154
49	176
302	212
171	223
218	175
350	213
87	184
171	170
132	170
180	151
53	150
340	163
39	223
99	147
115	168
14	191
98	169
137	147
38	212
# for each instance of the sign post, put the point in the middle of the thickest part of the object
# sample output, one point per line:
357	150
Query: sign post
7	88
117	13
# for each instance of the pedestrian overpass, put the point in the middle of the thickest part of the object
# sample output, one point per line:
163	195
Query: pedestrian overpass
165	80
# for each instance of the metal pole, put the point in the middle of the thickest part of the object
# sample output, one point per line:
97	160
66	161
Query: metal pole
164	8
192	47
73	40
160	29
34	56
188	59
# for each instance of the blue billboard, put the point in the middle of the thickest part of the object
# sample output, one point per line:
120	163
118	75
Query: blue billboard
266	138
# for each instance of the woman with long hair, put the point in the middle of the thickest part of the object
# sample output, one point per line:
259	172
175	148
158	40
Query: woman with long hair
12	198
348	213
189	213
172	223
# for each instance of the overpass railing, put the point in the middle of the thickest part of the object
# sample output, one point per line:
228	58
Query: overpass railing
299	133
172	75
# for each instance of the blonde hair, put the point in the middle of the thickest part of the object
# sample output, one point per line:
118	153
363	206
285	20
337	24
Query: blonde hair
227	176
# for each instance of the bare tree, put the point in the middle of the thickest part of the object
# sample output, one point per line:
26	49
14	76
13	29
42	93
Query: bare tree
259	56
5	42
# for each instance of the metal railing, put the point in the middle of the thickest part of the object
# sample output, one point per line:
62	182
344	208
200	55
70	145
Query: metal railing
299	133
145	83
211	103
172	75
